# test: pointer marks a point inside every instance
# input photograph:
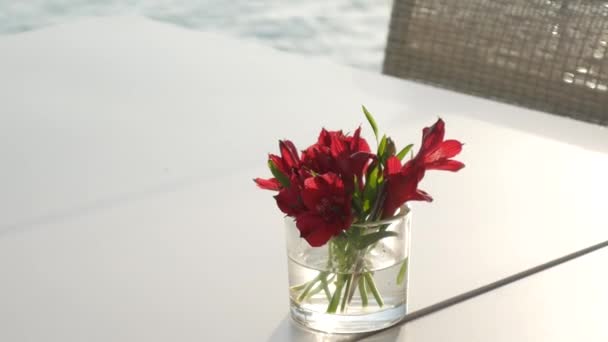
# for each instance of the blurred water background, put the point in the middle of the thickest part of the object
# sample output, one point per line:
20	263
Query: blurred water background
351	32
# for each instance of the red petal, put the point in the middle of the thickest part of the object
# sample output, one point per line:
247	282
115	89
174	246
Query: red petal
432	136
446	165
314	229
359	161
289	201
450	148
363	146
356	139
312	194
330	179
446	149
414	169
399	189
324	138
268	184
338	145
289	153
393	165
421	196
279	163
356	143
309	154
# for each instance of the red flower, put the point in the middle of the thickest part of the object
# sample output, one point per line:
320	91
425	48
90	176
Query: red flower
289	199
328	209
318	188
289	154
434	154
288	164
338	153
402	185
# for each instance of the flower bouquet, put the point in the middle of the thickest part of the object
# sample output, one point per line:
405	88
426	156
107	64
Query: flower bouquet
348	223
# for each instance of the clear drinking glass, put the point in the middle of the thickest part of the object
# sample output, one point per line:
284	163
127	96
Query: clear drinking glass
348	287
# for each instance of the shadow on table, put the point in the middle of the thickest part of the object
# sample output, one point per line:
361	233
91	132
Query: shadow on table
287	330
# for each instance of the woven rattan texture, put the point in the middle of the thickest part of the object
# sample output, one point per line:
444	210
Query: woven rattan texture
547	55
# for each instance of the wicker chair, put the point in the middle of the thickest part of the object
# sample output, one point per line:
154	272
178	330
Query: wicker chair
548	55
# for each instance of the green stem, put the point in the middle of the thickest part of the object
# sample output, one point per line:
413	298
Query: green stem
402	272
356	275
335	299
371	284
322	285
325	282
300	287
349	284
330	254
308	287
376	210
363	291
314	291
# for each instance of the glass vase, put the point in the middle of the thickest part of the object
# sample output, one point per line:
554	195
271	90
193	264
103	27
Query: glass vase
357	282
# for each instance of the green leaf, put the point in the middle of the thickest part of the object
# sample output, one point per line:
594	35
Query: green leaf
390	148
370	239
284	180
402	272
382	146
371	188
357	201
371	121
370	168
403	152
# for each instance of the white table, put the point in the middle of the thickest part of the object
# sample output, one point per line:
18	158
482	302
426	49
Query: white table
127	210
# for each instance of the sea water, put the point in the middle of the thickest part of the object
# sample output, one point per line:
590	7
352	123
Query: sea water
350	32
